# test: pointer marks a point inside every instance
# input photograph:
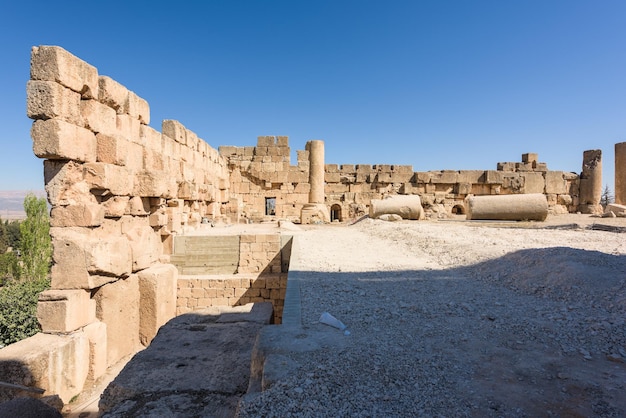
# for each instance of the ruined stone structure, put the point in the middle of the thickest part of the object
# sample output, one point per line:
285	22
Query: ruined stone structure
122	194
620	173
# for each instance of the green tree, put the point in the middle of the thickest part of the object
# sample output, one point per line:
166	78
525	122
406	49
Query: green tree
35	243
18	310
607	197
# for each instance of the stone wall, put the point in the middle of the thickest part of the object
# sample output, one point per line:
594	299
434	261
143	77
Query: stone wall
119	191
350	188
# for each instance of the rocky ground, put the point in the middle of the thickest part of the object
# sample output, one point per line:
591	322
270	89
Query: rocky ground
452	318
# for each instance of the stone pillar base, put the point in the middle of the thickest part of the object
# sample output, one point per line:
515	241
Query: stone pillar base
314	213
590	208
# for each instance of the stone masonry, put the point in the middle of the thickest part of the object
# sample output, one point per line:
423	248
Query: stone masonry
120	192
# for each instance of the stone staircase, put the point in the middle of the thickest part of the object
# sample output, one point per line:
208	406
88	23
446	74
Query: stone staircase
204	255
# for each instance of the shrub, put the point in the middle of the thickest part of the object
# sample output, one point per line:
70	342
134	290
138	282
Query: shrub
18	309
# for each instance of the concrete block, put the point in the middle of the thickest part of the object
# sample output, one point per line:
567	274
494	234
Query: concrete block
52	63
117	305
57	139
112	93
157	288
111	149
87	215
48	100
65	310
111	177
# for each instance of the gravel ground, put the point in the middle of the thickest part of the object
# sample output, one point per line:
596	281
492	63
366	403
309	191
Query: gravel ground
457	319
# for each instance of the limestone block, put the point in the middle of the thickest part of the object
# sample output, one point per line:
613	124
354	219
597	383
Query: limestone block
534	183
471	176
65	184
56	139
514	207
98	117
96	333
116	206
615	208
494	177
52	63
135	157
138	206
145	246
112	149
463	188
158	218
174	215
530	157
117	305
513	181
157	288
112	93
151	184
422	177
137	108
111	177
407	206
108	257
506	167
59	364
555	183
88	215
524	167
265	141
48	100
65	310
192	140
620	173
128	127
175	130
564	199
151	138
444	177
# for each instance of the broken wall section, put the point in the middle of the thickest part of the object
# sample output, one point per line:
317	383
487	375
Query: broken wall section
350	188
119	191
265	182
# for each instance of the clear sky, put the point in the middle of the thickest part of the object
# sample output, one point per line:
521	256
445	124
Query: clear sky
435	84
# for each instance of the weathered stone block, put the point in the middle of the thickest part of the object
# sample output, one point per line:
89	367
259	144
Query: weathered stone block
471	176
65	184
145	246
534	183
115	206
88	215
117	305
65	310
493	177
175	130
151	184
555	183
111	149
157	288
112	93
96	334
530	158
48	100
111	177
98	117
57	139
128	127
52	63
137	108
38	361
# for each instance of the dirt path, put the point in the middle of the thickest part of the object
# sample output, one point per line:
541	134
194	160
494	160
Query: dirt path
459	319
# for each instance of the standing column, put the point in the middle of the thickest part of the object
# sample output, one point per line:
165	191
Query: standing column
316	171
620	173
590	191
316	211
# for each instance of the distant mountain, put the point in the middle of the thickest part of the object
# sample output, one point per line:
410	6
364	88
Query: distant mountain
12	202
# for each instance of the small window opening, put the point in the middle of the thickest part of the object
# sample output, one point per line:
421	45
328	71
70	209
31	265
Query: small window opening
270	206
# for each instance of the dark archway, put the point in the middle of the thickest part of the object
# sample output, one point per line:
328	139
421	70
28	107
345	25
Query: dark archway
458	210
335	213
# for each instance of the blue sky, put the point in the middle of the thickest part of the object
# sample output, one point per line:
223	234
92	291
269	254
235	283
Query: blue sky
435	84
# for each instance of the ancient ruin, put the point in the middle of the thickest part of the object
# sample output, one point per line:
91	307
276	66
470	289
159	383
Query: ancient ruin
128	199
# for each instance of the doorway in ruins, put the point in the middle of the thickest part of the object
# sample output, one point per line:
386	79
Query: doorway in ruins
335	213
270	206
458	210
